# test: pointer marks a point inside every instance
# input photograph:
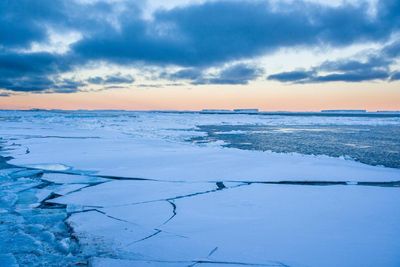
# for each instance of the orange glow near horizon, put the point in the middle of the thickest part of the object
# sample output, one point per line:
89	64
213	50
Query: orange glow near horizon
264	96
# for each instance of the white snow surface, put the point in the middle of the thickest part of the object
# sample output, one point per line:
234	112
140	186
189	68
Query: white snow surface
152	145
138	194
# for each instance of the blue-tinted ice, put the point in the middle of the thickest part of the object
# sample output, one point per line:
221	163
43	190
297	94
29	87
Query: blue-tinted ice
53	214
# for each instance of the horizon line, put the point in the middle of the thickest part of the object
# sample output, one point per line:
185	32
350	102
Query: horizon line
211	110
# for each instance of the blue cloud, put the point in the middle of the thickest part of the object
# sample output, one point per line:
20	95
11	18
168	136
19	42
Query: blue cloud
395	76
4	94
184	74
292	76
39	84
376	66
24	21
196	36
31	71
221	31
13	64
236	74
111	79
66	86
312	77
352	76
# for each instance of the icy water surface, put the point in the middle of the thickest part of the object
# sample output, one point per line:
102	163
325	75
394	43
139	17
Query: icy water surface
370	144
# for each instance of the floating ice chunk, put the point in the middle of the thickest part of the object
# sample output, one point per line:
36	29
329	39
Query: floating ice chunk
8	260
42	194
3	210
72	208
6	173
66	246
48	217
7	199
62	178
49	167
66	189
21	242
24	173
20	185
47	236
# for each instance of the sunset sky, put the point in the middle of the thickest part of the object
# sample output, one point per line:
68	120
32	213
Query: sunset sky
145	55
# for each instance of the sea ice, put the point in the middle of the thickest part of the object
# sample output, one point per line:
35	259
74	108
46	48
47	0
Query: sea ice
134	192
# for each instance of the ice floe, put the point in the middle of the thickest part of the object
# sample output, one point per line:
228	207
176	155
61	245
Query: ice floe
127	189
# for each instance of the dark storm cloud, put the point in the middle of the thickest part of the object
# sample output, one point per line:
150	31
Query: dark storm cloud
194	36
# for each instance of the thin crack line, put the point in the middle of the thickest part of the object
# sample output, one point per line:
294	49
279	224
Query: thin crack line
105	214
173	212
212	252
326	183
179	197
145	238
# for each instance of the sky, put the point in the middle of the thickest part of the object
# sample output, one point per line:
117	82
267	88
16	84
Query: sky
296	55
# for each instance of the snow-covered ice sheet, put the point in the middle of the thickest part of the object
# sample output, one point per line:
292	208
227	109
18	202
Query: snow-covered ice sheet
163	160
297	225
152	146
261	224
134	192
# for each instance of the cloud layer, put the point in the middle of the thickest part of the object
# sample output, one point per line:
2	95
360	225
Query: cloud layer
193	37
374	66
